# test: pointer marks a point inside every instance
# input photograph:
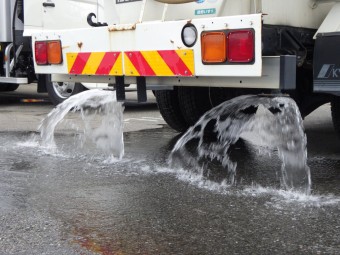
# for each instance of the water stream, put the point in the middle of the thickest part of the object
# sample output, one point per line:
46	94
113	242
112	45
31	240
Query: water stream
107	135
276	122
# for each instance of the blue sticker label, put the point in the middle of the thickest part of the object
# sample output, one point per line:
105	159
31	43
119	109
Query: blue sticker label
200	1
205	11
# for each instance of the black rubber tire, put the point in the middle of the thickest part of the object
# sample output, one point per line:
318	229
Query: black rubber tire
194	102
335	109
57	99
8	87
220	95
168	105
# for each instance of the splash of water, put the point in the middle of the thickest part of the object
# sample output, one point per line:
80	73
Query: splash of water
280	126
108	136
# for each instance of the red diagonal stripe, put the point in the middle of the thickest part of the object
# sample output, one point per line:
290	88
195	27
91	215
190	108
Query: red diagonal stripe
140	63
80	63
175	63
107	63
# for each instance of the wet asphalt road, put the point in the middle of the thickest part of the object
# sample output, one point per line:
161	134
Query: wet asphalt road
74	202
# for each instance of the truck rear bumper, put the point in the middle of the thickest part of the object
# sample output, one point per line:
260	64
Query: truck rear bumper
278	73
13	80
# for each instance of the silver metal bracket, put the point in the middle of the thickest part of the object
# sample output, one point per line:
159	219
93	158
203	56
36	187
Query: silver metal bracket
8	63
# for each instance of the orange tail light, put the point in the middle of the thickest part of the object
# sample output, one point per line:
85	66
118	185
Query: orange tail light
214	47
54	52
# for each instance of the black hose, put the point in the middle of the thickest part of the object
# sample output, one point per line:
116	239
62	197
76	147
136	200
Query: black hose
20	10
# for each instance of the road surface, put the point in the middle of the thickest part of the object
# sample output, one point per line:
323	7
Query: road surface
77	202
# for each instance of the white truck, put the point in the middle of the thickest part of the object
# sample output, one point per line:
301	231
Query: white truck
195	54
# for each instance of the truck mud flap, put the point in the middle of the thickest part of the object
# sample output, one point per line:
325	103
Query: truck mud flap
327	63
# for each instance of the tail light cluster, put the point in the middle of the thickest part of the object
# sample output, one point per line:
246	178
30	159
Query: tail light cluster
48	52
233	46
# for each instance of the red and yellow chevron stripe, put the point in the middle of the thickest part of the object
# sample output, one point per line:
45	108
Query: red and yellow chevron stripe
136	63
95	63
159	63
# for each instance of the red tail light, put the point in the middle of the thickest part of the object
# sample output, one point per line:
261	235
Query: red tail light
48	52
241	46
41	53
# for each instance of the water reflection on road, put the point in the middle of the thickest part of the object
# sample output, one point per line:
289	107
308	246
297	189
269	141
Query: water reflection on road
75	203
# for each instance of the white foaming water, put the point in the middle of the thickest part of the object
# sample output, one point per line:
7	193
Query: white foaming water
290	197
280	128
31	142
107	136
277	198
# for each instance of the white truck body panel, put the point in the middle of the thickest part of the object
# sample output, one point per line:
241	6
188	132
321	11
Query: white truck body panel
331	22
66	14
165	36
33	17
72	14
147	25
295	13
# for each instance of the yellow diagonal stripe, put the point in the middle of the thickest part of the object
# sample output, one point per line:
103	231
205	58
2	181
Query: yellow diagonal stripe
93	62
71	57
187	57
117	68
129	68
157	63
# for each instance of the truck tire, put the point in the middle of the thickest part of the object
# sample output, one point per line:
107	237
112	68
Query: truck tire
60	91
168	105
335	109
8	87
194	102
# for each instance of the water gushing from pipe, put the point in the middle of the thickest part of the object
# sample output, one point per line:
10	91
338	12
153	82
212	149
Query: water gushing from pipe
107	136
279	126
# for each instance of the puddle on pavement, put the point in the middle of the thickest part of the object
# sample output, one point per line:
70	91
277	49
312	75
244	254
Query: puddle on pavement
137	205
210	154
140	205
258	173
